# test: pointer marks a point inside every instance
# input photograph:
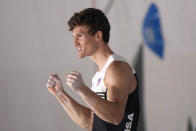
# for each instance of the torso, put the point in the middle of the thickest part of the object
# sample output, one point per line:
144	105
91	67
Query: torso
132	107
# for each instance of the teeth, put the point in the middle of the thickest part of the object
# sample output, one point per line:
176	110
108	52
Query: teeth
78	49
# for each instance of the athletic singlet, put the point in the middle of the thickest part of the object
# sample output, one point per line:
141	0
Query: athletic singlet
130	120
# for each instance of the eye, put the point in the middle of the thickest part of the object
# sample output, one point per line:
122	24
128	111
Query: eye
79	35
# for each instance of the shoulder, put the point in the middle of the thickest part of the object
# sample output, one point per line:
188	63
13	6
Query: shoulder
117	68
120	73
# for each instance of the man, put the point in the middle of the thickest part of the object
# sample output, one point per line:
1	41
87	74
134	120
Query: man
113	98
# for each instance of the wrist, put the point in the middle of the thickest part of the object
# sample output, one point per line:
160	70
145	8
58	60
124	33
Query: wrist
60	93
82	89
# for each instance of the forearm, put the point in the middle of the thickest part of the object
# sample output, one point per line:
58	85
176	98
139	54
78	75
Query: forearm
106	110
80	114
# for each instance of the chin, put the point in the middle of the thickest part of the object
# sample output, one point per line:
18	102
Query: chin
80	57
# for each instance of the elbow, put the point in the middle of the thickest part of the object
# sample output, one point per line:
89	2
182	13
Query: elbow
117	119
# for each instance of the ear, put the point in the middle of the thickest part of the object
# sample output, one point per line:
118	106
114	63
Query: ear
98	36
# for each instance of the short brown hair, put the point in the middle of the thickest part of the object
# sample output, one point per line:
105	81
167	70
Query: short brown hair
94	19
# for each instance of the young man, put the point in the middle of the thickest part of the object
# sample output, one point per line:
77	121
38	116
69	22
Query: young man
113	98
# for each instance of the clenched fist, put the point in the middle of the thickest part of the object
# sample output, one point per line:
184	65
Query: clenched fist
74	80
55	85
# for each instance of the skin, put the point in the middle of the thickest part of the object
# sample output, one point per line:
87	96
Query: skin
119	80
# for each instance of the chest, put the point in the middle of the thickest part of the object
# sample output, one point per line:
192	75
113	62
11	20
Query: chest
98	85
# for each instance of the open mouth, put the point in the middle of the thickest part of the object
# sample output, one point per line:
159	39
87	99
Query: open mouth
79	49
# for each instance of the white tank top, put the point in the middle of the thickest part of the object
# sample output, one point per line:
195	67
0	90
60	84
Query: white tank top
98	85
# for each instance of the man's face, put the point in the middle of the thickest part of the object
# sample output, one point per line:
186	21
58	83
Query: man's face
83	41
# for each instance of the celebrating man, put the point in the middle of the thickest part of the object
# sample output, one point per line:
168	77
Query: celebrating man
113	99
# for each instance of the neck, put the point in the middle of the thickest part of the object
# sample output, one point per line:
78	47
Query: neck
101	56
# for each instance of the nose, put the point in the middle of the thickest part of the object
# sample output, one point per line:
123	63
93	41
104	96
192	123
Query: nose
76	43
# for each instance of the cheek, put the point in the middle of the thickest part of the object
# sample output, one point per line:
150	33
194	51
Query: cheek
80	40
93	46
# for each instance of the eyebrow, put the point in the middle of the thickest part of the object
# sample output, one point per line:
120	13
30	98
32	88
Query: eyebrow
76	34
80	33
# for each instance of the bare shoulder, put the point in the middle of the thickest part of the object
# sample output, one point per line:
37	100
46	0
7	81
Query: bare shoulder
119	66
120	74
119	69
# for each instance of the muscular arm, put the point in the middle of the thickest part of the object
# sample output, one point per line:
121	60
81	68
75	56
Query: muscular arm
80	114
120	82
